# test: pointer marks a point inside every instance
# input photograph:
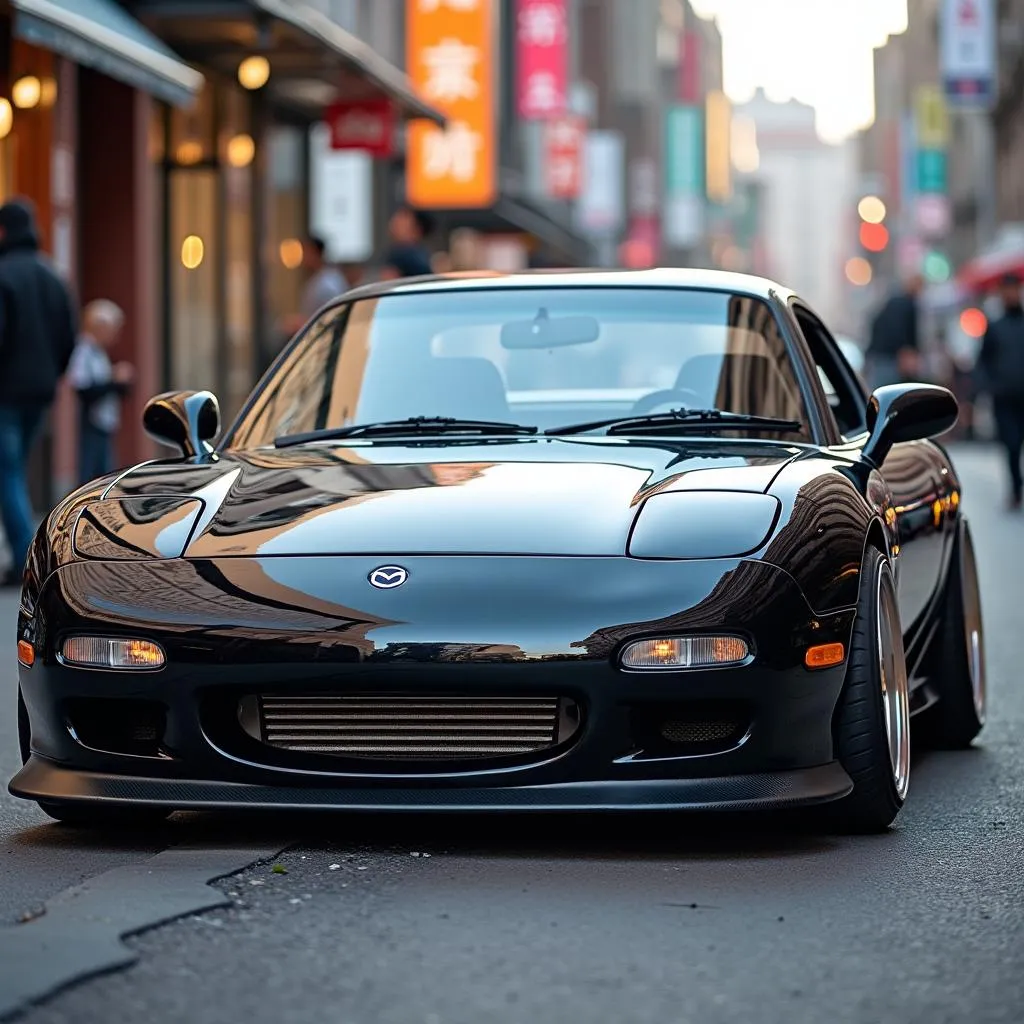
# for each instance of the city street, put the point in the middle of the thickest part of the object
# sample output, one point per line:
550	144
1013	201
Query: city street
362	920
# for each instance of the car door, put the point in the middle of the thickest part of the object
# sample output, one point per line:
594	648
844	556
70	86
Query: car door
910	472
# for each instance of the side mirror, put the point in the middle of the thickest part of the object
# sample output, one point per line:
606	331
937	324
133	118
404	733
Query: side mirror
907	412
186	420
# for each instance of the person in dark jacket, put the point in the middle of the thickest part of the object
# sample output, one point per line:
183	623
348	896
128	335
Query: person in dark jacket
408	256
892	354
1000	369
37	337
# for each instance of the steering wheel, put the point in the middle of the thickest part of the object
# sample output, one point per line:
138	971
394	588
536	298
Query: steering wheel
672	397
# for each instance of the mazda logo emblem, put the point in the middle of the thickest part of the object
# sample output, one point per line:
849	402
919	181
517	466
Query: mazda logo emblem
387	577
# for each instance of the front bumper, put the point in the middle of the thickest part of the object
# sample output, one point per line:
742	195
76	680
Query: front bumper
44	780
507	627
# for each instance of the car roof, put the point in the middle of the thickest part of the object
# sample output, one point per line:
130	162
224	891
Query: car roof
661	277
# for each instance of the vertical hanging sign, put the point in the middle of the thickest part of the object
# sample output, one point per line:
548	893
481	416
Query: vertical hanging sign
451	60
967	52
542	72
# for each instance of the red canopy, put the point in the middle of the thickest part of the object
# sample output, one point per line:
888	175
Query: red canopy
985	272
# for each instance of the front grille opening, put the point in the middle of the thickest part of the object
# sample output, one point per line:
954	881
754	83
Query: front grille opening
114	726
410	728
688	730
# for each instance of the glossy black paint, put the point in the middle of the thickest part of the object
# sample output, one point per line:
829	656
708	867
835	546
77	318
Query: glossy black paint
531	562
906	412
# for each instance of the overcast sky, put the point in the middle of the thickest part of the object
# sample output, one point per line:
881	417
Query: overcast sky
816	51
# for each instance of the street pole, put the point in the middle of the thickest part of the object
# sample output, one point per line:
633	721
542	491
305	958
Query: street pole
986	180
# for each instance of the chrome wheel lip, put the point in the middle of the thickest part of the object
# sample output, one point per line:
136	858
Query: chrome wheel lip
974	637
895	685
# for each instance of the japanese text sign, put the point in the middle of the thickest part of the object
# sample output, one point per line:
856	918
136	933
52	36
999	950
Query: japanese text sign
541	58
564	138
450	58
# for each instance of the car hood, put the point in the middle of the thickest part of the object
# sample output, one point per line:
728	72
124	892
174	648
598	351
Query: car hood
524	496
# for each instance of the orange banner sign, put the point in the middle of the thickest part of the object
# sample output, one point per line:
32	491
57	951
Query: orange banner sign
450	58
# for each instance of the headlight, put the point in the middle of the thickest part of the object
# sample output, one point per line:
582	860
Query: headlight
102	652
703	524
685	652
130	528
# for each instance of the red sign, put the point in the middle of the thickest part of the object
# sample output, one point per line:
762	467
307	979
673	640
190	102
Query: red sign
563	156
642	245
362	124
541	58
690	70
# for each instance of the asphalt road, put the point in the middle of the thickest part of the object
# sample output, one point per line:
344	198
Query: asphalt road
428	921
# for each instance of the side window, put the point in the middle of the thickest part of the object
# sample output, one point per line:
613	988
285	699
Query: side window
296	398
844	394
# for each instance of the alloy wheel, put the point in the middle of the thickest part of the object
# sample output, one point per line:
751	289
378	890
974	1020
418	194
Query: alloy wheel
973	634
892	672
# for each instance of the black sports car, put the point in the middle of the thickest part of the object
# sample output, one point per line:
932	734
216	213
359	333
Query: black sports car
559	541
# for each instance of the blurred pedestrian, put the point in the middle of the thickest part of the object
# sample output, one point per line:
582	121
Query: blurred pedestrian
100	386
893	353
408	255
37	336
325	282
1000	370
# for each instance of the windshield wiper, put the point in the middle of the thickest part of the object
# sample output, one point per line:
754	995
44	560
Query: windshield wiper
399	428
682	419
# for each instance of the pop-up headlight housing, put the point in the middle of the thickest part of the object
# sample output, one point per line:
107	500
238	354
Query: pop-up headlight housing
703	524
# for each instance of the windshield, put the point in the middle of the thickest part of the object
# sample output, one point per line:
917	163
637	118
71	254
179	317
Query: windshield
534	356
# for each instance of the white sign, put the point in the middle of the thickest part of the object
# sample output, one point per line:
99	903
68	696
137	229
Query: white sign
967	40
599	210
684	220
340	198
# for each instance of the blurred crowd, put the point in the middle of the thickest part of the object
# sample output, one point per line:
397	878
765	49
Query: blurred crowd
898	351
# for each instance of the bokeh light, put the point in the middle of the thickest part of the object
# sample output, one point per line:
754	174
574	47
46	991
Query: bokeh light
858	271
254	72
192	251
240	150
874	237
290	252
973	322
6	118
871	210
26	92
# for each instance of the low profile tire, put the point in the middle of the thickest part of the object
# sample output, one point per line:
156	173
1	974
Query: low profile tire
83	814
872	723
958	675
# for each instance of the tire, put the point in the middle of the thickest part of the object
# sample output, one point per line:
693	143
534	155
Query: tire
958	674
872	721
86	815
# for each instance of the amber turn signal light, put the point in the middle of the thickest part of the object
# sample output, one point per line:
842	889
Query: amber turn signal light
26	654
824	655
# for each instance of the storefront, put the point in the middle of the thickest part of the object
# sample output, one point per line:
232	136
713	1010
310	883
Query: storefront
78	85
235	178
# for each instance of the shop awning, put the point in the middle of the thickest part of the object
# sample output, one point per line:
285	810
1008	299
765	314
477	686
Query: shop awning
515	214
353	52
102	35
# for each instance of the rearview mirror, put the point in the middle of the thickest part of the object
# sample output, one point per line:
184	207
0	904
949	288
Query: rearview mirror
907	412
550	332
186	420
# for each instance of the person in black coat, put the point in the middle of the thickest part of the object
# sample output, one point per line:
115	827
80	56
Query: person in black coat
1000	370
892	355
37	336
